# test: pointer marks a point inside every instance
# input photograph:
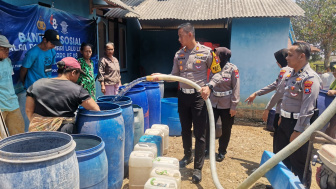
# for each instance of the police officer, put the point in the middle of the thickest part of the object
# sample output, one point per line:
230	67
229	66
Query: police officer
279	86
192	62
297	108
224	98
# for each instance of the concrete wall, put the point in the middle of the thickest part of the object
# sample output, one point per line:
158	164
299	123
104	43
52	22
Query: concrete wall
253	43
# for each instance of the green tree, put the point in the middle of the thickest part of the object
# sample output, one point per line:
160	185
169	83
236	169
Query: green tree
318	27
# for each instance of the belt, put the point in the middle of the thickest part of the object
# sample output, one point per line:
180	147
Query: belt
289	114
188	91
220	94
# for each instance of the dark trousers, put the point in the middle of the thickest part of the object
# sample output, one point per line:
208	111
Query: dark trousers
192	111
227	122
296	161
275	125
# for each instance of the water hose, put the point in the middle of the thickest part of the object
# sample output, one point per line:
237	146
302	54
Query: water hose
318	124
211	121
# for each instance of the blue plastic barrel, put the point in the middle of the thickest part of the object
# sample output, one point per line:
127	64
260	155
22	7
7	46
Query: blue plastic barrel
109	125
154	102
153	139
138	95
170	116
323	101
92	161
127	112
138	123
175	128
38	160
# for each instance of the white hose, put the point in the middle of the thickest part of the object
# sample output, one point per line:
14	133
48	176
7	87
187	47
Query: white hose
211	121
318	124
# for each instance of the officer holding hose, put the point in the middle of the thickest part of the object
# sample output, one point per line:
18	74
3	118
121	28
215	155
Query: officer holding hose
192	62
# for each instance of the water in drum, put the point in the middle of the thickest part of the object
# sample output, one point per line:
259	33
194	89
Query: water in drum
128	87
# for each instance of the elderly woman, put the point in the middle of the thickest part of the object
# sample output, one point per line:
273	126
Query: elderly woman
224	98
109	71
51	102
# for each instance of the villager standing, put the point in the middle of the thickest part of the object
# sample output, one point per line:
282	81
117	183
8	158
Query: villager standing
9	104
38	60
224	91
297	108
87	80
109	71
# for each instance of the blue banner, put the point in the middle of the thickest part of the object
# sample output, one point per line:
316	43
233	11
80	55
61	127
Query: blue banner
24	25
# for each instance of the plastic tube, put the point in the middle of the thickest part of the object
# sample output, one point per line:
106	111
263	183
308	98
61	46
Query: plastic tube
211	121
318	124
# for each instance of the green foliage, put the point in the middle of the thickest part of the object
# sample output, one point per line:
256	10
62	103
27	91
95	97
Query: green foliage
318	27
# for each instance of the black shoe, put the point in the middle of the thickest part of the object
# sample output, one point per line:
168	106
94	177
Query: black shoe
220	157
186	160
197	176
206	154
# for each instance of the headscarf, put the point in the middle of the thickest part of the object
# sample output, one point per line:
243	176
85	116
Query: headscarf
280	56
224	55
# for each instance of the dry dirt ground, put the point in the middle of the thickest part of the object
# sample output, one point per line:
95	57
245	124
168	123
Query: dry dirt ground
248	141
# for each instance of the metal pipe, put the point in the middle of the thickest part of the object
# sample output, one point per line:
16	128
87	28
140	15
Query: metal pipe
211	121
318	124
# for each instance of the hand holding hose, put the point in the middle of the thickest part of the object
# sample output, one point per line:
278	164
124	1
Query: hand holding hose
205	92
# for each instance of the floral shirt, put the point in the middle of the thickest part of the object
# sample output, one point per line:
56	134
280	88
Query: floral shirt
87	82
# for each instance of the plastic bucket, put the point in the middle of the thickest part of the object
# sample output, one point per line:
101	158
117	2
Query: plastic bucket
175	128
138	95
109	125
138	123
38	160
92	161
154	102
127	112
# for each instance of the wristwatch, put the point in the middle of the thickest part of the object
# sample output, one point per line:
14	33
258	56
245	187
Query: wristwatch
209	85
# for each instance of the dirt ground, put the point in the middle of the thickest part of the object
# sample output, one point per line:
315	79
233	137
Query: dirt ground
248	141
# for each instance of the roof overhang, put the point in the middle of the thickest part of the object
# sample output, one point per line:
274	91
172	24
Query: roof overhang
113	4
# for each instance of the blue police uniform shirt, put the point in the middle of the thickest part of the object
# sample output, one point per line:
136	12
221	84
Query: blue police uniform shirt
8	99
39	64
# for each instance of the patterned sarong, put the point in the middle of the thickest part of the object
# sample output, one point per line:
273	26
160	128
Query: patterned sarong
41	123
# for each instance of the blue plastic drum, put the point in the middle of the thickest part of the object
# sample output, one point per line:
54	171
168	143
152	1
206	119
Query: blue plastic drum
154	102
109	125
138	95
38	160
92	161
127	112
170	116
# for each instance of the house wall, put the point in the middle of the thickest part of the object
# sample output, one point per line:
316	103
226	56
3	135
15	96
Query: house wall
253	43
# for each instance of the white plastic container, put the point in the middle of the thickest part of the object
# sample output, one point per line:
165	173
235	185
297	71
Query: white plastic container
157	132
157	182
146	146
166	162
165	130
140	166
167	173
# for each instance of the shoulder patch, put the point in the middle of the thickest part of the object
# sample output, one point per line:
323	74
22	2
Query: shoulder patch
307	86
236	72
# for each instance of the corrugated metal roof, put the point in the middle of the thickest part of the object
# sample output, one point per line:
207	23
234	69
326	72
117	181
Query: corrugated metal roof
123	5
207	9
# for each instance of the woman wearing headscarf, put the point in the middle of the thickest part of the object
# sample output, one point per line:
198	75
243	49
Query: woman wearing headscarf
223	90
279	87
